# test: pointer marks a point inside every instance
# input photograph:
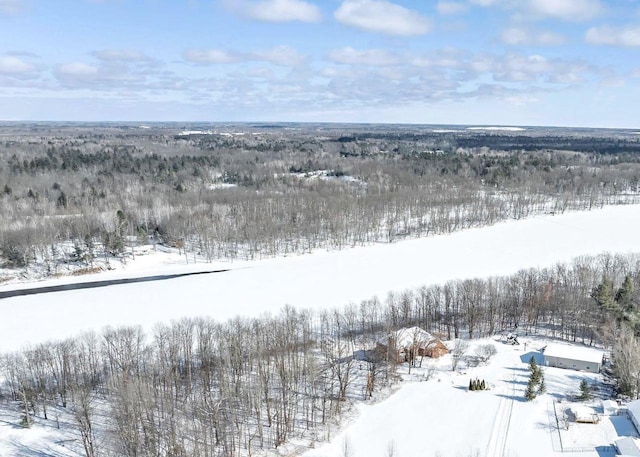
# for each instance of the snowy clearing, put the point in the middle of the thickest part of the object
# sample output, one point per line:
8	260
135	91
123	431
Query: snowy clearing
498	129
442	418
320	280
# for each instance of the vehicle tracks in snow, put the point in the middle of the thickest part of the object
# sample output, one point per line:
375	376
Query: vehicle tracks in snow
500	431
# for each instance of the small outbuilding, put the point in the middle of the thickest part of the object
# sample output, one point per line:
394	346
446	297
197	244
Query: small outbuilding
573	357
584	415
407	343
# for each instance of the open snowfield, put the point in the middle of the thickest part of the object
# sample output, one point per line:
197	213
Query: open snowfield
320	280
441	418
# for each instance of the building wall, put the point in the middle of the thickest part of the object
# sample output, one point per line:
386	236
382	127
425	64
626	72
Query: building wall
579	365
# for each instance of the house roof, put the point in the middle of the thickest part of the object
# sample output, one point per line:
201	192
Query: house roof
405	337
634	409
627	447
566	351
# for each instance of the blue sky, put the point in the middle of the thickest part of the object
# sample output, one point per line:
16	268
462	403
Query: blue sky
508	62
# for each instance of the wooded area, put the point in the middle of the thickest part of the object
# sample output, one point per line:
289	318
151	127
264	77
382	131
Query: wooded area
71	194
249	191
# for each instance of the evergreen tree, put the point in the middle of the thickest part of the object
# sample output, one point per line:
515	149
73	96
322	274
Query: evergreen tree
535	380
529	393
624	296
604	296
483	386
585	390
471	384
542	388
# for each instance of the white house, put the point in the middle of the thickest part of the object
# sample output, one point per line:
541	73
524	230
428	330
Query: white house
578	358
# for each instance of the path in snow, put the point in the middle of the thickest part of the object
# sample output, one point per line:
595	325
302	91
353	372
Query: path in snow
500	431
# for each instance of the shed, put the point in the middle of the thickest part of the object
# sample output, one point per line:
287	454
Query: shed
407	343
573	357
627	447
584	415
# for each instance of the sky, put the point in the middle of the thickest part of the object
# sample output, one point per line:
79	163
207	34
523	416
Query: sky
484	62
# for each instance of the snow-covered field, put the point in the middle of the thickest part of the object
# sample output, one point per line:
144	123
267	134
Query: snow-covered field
320	280
442	418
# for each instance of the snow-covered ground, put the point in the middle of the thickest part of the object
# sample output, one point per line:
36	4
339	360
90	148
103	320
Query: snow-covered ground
442	418
431	414
438	417
320	280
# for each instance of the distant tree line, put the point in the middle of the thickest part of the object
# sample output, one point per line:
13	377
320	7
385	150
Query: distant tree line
197	387
271	191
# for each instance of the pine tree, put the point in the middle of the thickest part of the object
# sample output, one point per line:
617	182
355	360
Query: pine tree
585	390
603	294
624	296
529	393
470	384
483	386
542	388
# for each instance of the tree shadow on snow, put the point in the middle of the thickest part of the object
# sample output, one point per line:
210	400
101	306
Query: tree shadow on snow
20	450
13	425
517	398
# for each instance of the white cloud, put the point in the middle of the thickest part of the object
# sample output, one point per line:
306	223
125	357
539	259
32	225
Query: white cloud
613	36
485	2
114	55
373	57
280	55
77	69
522	36
211	56
570	10
11	65
276	10
382	16
12	6
445	7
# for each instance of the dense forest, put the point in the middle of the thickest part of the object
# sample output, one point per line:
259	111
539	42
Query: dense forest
71	193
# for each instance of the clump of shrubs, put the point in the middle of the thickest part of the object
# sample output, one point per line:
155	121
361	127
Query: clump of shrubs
477	384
